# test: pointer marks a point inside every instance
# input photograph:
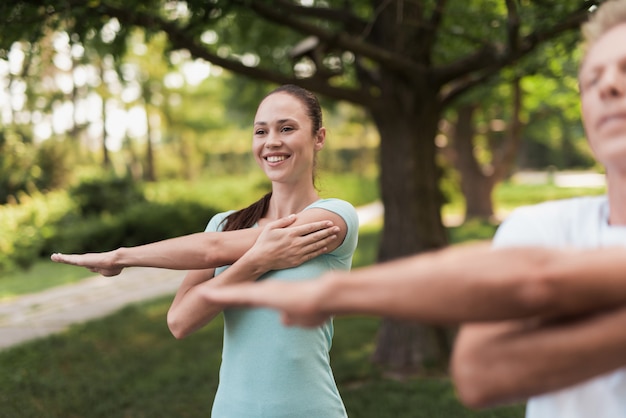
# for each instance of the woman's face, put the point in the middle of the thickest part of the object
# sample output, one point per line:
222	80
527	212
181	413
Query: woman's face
283	143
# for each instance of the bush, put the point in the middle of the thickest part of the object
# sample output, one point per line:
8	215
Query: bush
44	224
149	222
138	224
27	227
107	194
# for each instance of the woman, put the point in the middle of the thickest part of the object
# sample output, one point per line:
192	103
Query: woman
267	370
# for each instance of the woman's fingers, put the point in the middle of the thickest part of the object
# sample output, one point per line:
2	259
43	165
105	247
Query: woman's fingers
282	222
72	259
310	228
93	262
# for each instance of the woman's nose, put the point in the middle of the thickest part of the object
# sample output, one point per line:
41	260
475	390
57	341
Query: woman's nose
272	140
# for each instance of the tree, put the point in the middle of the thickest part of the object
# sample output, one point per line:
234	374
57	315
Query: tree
404	61
482	164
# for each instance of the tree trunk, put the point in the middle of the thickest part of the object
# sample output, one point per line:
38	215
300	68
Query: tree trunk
149	172
412	221
106	160
476	186
478	182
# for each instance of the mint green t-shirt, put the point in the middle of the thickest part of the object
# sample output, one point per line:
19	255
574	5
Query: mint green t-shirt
272	371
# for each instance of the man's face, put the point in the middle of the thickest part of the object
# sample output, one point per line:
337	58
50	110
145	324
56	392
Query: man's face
602	80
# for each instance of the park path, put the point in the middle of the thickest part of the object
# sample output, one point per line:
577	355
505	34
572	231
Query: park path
37	315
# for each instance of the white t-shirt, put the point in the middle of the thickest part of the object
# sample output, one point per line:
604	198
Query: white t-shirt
580	223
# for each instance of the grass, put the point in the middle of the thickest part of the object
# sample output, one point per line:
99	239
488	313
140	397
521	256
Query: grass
510	195
42	275
128	365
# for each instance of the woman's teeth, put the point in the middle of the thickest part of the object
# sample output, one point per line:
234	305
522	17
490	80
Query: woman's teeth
275	159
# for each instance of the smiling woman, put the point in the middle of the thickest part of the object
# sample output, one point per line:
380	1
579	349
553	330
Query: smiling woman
290	234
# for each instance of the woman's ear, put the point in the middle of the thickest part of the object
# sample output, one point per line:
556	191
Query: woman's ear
320	139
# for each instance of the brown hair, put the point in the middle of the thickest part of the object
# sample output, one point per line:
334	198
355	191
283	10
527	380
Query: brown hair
246	218
608	15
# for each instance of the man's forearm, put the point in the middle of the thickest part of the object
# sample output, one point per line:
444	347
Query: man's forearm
478	283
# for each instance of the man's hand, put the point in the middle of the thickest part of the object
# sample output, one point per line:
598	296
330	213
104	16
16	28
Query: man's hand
298	302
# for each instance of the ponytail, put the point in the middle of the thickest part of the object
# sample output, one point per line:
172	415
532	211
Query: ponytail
246	218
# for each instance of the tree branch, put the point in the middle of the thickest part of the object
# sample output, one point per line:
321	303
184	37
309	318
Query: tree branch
501	57
180	40
513	24
352	22
383	57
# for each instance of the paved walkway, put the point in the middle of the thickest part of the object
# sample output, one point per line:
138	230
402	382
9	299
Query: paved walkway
54	310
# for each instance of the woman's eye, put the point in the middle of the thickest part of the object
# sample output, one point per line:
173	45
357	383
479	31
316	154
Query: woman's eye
286	129
259	132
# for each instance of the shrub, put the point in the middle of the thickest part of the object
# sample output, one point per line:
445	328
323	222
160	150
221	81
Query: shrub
137	224
107	194
27	227
149	222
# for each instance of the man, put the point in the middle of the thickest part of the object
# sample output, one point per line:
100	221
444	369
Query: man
531	357
547	320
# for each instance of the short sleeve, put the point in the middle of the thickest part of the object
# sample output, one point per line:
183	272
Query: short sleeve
350	217
216	223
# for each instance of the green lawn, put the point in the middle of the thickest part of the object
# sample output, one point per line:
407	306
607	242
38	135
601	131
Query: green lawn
128	365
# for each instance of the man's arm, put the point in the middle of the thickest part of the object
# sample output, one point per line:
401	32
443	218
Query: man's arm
496	363
466	283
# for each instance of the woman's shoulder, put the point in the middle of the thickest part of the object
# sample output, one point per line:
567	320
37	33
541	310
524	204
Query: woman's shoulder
340	207
333	203
216	222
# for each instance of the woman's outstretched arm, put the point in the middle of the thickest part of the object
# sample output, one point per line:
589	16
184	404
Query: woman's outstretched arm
190	310
204	249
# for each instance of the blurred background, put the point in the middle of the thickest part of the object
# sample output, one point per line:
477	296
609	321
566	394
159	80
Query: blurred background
122	123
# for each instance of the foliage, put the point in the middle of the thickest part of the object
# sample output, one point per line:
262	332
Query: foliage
105	194
135	224
80	373
27	227
16	165
99	216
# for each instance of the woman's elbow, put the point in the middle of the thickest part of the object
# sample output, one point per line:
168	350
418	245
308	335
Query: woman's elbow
176	326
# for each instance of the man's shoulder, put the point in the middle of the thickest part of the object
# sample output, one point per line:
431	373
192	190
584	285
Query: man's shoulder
584	205
556	222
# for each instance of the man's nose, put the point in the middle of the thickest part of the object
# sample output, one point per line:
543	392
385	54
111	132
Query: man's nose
613	82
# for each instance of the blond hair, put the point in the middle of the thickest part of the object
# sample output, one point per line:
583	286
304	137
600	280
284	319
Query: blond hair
608	15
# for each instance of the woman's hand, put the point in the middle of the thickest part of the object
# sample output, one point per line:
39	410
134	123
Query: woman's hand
281	246
101	263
